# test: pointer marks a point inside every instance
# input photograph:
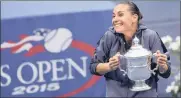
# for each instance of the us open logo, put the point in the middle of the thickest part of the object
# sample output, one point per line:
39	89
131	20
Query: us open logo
54	42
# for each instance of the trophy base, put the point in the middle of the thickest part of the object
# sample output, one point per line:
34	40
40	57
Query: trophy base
140	86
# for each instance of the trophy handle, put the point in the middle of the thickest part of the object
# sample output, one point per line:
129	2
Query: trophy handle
154	60
122	58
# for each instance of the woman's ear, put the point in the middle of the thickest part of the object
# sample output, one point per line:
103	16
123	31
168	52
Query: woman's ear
135	18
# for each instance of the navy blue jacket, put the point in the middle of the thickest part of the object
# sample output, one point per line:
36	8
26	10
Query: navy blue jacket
111	42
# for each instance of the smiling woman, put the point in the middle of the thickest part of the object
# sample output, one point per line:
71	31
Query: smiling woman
123	20
118	40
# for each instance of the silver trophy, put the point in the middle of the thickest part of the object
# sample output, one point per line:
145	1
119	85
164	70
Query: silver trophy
138	63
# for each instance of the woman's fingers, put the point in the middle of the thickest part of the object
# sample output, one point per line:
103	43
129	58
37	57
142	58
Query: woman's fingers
114	61
162	59
113	64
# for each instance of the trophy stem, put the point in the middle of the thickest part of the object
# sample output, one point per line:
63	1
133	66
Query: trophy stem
140	85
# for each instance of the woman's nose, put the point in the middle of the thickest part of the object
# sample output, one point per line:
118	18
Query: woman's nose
115	20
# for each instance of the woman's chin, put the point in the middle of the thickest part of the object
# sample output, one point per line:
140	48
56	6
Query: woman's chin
118	31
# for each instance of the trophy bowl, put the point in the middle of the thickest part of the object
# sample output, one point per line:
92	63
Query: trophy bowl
138	71
139	66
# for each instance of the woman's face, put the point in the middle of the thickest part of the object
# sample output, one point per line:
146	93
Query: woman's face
123	19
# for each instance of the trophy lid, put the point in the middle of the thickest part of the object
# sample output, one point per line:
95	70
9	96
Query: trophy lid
137	50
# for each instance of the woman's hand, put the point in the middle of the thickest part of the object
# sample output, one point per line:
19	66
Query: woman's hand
114	61
113	64
161	61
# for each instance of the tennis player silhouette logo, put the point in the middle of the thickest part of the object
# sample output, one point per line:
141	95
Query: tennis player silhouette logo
55	41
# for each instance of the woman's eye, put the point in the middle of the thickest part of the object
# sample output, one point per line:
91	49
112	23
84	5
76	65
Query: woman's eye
120	14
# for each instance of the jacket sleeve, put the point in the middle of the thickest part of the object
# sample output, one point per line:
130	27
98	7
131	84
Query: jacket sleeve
157	44
101	52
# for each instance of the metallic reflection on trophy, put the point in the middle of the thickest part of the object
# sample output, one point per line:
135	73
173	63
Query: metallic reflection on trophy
138	66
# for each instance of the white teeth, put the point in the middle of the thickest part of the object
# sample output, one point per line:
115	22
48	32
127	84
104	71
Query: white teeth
118	25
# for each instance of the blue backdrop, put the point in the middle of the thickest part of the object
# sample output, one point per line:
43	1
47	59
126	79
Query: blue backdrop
21	72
